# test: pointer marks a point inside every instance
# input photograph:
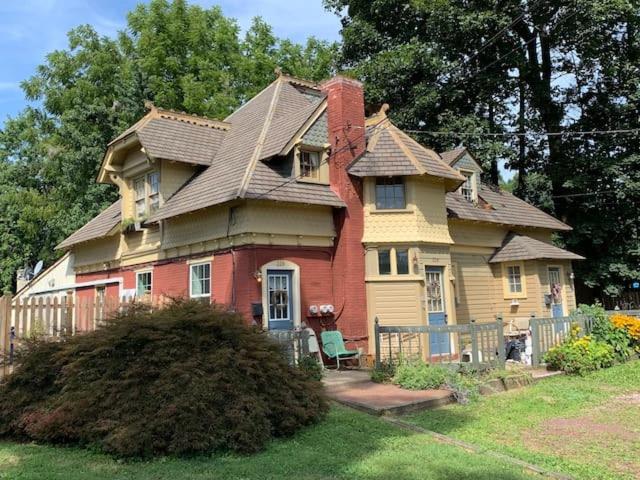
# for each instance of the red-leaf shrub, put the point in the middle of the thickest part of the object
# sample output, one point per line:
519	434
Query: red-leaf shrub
185	379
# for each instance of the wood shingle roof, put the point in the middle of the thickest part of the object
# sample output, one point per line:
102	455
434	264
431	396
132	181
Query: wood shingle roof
521	247
98	227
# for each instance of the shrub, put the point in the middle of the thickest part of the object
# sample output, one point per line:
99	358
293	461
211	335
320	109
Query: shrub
631	325
185	379
465	388
417	375
605	330
310	367
384	373
580	355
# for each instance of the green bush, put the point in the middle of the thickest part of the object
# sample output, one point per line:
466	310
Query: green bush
310	367
603	330
384	373
465	388
417	375
185	379
580	355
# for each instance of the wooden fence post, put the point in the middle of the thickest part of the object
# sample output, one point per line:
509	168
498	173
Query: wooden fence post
5	332
475	358
376	330
535	340
502	354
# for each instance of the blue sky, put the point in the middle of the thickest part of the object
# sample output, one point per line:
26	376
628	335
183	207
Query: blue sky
29	29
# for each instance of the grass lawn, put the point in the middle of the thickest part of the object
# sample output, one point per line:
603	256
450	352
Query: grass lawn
347	445
586	427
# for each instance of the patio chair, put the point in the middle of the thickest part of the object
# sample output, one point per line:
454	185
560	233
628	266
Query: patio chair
333	346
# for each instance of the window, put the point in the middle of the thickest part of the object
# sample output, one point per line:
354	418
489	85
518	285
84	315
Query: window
200	280
143	284
467	188
514	278
310	164
147	194
390	193
402	261
384	262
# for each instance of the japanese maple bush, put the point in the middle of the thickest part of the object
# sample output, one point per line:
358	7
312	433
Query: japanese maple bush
185	379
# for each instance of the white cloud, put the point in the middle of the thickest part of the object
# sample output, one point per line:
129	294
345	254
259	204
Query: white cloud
5	86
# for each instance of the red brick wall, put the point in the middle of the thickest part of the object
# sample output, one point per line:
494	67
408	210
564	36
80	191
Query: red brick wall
345	109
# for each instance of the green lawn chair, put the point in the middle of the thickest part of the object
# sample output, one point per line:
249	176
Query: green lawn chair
333	347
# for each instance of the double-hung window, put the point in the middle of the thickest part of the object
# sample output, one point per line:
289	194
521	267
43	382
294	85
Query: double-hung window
147	194
143	283
200	280
310	164
514	279
390	193
386	265
467	189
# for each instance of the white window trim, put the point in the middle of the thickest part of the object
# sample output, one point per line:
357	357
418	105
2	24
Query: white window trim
141	272
198	264
473	179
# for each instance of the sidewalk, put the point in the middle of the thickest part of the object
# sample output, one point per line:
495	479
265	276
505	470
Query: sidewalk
355	389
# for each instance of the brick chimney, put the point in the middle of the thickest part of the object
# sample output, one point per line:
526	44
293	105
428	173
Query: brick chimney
346	121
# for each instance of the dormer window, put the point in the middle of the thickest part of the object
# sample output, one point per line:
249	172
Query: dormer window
468	188
310	165
147	194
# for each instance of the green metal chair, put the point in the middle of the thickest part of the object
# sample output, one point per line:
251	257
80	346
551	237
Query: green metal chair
333	347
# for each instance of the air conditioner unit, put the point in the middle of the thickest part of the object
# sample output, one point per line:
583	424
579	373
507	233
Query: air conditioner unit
515	302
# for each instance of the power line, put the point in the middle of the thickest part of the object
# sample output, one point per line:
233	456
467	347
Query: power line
325	161
526	134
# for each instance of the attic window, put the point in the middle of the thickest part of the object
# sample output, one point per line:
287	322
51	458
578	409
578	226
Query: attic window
147	194
390	193
310	164
468	188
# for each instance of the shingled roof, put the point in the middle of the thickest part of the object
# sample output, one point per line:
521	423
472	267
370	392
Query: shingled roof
520	247
391	152
449	157
177	136
260	129
100	226
498	206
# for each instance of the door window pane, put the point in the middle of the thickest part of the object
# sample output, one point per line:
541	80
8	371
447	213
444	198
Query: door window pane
384	262
434	292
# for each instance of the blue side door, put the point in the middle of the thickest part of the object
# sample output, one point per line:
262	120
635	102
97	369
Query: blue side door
555	284
439	343
279	299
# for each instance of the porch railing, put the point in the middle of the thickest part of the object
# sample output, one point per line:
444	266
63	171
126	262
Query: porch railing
294	343
479	346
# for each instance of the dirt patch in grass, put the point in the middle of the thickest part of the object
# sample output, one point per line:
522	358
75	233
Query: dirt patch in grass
608	434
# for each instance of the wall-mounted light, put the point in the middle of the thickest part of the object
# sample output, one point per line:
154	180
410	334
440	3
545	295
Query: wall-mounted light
258	276
572	275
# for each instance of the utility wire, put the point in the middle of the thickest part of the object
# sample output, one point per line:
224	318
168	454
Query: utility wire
326	161
525	134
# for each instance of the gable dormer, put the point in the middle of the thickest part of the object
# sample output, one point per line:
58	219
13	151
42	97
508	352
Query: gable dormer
463	161
156	156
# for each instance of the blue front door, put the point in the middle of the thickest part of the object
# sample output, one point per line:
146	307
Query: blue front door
279	299
555	284
439	343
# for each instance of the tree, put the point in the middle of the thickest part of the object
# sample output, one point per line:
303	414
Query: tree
520	66
180	56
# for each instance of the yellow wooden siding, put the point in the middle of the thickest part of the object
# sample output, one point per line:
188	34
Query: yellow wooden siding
534	301
474	288
97	252
173	175
423	220
477	235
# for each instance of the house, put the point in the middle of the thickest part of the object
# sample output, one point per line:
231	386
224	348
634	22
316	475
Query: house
296	208
57	280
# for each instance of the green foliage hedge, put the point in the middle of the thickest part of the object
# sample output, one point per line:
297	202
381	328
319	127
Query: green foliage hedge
418	375
580	355
185	379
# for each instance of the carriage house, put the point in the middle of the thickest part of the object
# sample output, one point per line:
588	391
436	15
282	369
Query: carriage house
298	209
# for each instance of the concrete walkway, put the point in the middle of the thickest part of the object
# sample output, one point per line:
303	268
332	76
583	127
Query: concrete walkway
355	389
